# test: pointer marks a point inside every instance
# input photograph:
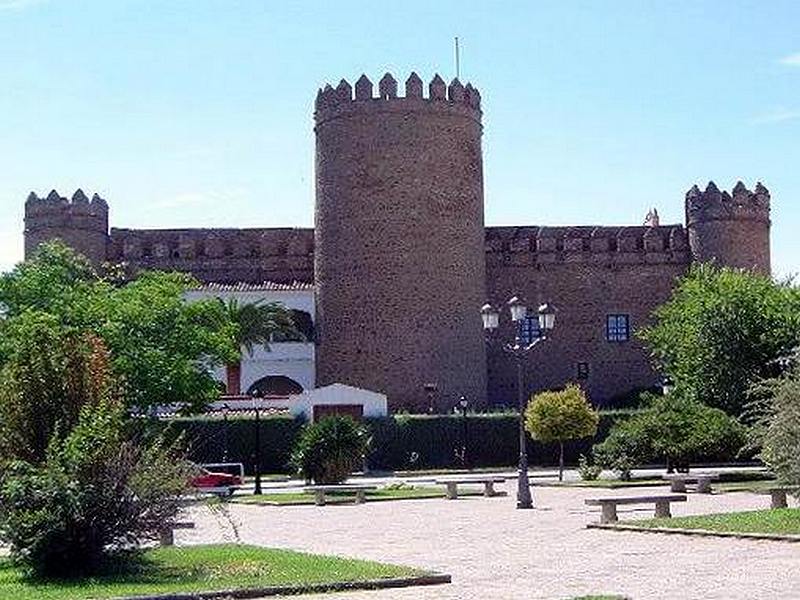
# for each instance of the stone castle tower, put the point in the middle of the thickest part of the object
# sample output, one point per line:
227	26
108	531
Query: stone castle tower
731	229
80	222
399	240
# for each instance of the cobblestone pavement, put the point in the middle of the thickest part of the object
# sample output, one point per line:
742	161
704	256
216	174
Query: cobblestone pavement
493	550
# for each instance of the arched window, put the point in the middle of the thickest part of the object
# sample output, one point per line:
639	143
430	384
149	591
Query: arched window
274	385
303	323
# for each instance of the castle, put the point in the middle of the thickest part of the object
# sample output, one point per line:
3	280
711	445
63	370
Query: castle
400	261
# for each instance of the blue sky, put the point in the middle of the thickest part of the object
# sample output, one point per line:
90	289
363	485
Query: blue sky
198	113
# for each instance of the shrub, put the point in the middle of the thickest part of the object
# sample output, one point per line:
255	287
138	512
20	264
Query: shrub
777	429
329	450
96	494
561	416
588	470
672	428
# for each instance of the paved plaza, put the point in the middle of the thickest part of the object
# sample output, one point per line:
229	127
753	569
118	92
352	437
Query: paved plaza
493	550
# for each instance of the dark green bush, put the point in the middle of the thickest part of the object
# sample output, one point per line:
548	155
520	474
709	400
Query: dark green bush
414	442
672	429
329	450
211	440
401	442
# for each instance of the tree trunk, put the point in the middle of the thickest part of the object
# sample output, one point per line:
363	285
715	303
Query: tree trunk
233	373
561	461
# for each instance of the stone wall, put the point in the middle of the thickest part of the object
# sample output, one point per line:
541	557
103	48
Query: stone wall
219	255
587	273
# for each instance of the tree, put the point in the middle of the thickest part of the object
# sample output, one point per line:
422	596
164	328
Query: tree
675	429
50	374
561	416
777	428
723	330
75	485
162	349
256	323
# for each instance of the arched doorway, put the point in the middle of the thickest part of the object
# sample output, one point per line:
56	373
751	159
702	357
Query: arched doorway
275	385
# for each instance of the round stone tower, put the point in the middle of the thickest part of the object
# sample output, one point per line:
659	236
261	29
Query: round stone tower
80	223
399	241
731	230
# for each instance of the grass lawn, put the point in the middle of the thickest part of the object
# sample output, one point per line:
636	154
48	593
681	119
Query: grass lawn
610	484
196	568
782	521
380	495
745	486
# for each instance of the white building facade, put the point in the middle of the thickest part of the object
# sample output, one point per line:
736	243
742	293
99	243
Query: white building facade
285	368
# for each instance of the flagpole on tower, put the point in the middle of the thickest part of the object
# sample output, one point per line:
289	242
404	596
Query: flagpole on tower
458	61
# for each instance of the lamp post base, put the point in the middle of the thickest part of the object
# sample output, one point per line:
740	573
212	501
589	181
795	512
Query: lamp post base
524	505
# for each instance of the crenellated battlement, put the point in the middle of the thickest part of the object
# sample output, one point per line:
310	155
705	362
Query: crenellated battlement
591	245
54	203
60	213
347	99
742	204
171	245
79	221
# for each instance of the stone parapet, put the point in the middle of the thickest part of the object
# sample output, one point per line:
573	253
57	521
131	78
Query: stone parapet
456	98
740	204
588	245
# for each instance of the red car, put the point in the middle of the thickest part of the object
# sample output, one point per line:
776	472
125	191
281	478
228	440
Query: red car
213	479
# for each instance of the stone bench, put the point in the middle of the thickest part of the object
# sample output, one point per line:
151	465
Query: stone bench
167	534
778	496
678	481
609	505
452	485
360	491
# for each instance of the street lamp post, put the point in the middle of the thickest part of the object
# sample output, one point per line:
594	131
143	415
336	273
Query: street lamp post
225	409
463	404
518	350
256	394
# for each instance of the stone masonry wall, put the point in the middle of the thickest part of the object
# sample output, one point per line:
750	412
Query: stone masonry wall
587	273
399	262
219	255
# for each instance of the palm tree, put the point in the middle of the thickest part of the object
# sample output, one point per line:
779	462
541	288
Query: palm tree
257	323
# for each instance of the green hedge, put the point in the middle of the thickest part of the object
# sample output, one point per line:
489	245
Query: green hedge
402	442
207	438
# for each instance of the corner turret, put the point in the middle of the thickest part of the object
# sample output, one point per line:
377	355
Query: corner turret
730	229
80	222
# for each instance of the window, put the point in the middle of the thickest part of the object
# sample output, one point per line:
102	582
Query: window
303	324
583	370
275	385
529	328
618	328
